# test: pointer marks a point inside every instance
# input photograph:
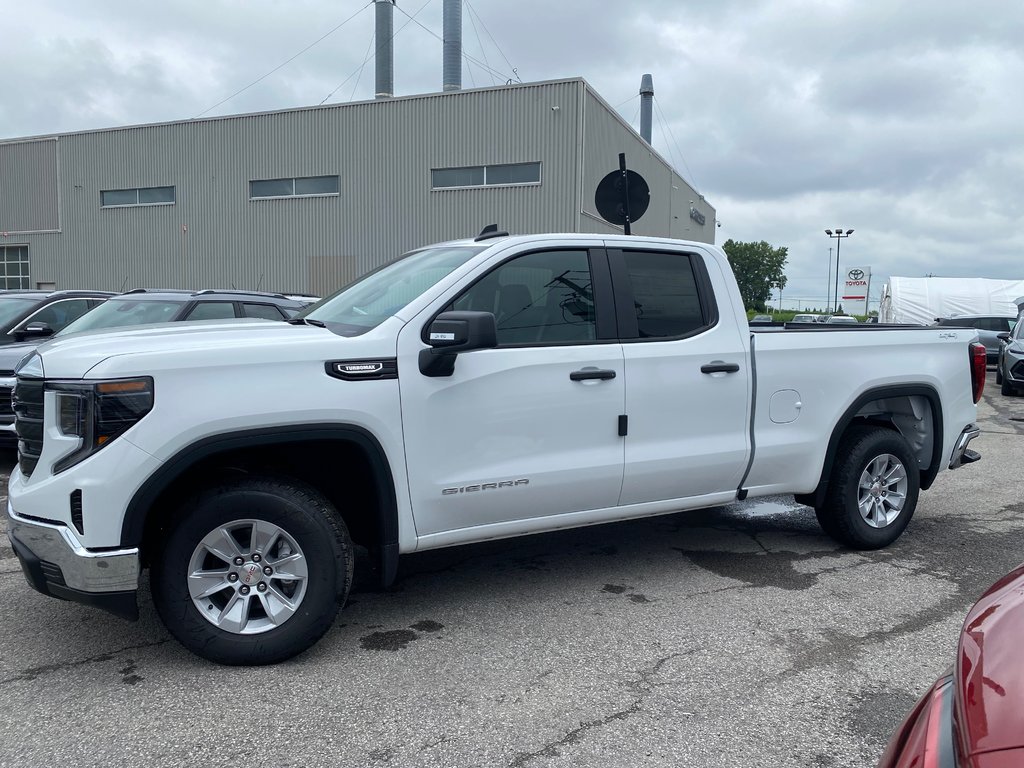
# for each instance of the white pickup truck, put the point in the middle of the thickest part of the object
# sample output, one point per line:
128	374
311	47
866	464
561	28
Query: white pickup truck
470	390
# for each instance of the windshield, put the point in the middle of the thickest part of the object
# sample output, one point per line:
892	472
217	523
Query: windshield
115	313
10	308
368	302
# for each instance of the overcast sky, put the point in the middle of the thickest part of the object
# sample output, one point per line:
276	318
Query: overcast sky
900	119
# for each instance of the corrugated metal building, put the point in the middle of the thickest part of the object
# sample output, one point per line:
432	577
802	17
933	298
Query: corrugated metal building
308	199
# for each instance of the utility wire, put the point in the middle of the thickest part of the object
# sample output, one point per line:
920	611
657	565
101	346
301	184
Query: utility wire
634	96
472	10
672	135
369	56
366	58
287	61
466	55
478	40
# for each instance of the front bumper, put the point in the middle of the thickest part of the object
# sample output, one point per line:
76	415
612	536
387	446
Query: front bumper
56	564
961	453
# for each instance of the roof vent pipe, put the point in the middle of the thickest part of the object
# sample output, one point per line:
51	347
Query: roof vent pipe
452	45
646	103
385	59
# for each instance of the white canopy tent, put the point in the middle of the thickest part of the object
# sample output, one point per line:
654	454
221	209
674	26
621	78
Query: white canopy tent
923	299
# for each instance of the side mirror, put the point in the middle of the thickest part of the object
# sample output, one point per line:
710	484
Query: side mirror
1003	336
33	331
451	333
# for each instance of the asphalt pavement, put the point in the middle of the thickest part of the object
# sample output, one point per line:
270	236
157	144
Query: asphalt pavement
737	636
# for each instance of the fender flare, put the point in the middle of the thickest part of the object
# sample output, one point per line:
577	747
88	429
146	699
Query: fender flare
134	524
817	497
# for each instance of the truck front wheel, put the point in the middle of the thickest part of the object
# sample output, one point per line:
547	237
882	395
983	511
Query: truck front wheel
873	490
254	571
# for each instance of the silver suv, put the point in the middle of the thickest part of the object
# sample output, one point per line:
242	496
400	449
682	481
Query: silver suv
1010	368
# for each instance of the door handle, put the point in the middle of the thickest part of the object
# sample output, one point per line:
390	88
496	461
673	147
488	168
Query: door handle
591	373
719	368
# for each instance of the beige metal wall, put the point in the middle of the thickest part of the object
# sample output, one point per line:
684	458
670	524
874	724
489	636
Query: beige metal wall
382	151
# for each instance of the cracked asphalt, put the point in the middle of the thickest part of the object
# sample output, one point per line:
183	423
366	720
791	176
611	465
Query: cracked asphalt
734	636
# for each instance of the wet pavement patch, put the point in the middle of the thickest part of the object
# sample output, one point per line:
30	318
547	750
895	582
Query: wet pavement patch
392	640
128	676
638	598
762	569
615	589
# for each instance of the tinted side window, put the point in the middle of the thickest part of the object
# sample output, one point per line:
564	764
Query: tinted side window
60	313
665	294
212	310
539	298
265	311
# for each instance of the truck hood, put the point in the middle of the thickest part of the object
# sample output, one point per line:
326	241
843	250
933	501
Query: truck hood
168	345
12	354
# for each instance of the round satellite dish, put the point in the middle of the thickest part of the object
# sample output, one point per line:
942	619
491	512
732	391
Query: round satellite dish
608	198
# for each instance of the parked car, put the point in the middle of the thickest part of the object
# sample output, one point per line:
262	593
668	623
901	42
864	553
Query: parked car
761	319
841	320
973	717
137	307
471	390
38	314
1010	365
988	326
806	318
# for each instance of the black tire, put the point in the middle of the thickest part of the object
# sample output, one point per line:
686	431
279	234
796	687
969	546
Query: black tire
1006	389
305	519
840	516
999	374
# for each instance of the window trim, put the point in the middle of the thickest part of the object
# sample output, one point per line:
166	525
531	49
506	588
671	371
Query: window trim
21	326
601	282
137	204
24	281
628	328
485	185
294	195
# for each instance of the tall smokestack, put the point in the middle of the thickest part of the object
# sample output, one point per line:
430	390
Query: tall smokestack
452	45
385	60
646	103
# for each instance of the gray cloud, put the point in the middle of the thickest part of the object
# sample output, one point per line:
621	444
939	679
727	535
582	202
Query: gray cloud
900	120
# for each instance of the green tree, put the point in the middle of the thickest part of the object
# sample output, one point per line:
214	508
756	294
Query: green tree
758	268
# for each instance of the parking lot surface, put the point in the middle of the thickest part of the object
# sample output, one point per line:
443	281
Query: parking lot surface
736	636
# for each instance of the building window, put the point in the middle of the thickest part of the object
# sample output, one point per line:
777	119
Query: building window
14	267
120	198
485	176
307	186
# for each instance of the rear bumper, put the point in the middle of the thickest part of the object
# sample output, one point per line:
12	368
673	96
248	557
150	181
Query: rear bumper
961	453
56	564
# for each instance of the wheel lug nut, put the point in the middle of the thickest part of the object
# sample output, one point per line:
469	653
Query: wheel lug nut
244	590
256	557
267	570
238	561
232	577
261	587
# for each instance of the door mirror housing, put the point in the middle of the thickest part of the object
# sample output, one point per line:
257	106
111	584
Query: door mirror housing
33	331
1003	336
451	333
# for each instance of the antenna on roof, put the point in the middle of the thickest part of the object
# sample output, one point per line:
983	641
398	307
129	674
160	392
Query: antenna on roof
488	232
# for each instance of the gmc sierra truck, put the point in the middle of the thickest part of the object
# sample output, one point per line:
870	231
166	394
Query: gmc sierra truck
470	390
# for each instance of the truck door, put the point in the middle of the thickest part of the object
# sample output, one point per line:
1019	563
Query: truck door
528	429
687	383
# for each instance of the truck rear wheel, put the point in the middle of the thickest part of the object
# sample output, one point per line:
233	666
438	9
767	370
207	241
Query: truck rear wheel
254	572
873	491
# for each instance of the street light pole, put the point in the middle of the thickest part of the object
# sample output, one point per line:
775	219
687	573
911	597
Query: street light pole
838	235
828	283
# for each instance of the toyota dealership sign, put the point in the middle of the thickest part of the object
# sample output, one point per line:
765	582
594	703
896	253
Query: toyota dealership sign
855	290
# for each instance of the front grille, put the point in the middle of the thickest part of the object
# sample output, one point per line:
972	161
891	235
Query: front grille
28	422
6	409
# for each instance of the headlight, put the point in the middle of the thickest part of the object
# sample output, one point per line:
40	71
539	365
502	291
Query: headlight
97	412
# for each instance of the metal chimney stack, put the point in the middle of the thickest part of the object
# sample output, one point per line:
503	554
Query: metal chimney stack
452	45
646	104
385	59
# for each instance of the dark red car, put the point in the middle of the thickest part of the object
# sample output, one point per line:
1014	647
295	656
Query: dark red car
973	717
